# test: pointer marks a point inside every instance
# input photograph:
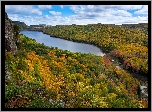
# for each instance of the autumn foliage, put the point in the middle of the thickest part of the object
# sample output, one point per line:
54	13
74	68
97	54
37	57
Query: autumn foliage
53	78
123	43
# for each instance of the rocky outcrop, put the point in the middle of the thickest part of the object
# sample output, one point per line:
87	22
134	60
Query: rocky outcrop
10	44
9	36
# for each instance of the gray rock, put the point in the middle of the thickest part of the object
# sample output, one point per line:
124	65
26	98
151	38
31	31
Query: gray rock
142	90
9	36
10	43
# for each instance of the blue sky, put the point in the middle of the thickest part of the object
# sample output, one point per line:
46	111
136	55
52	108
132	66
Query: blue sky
78	14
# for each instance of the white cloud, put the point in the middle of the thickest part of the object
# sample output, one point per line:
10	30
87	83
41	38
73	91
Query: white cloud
75	19
22	9
90	14
54	13
144	10
91	11
99	8
13	17
127	7
122	13
128	20
44	7
90	6
61	6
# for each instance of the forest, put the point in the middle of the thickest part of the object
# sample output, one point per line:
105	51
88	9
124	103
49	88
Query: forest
48	77
128	45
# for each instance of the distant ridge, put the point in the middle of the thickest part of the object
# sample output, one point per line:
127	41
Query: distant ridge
40	27
22	25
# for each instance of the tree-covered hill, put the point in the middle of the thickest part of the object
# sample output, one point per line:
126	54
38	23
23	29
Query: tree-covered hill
37	76
22	25
43	77
128	45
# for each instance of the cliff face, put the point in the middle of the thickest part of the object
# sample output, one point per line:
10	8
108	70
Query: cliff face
9	40
9	36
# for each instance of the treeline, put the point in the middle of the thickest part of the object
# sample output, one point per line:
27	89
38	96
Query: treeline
21	25
44	77
128	45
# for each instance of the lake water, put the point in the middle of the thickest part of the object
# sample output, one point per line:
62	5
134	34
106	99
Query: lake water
67	45
62	44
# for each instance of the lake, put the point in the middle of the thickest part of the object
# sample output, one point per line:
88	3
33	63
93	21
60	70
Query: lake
68	45
40	37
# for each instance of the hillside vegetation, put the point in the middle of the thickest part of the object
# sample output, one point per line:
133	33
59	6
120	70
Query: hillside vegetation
127	45
44	77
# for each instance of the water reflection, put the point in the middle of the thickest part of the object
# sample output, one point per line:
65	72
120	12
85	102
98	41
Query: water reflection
62	44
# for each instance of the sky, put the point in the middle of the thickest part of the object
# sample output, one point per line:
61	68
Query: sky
78	14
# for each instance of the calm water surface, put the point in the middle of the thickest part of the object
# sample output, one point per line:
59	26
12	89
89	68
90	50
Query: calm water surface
66	45
62	44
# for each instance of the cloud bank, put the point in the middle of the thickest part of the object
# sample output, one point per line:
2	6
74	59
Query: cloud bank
81	14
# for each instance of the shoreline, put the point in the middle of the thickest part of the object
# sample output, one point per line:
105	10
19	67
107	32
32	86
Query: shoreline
141	78
105	51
